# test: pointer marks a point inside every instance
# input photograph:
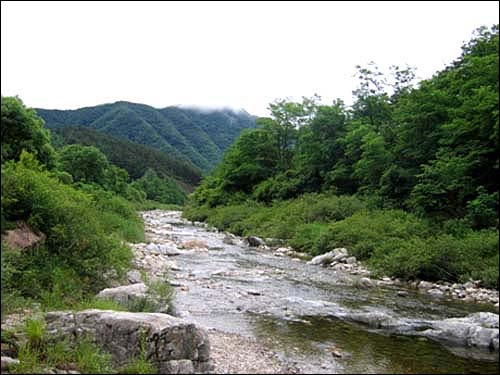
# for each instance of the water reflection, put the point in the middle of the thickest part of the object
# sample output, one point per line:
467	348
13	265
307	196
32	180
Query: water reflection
310	343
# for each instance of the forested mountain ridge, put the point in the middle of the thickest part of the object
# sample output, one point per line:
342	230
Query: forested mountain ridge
200	137
132	157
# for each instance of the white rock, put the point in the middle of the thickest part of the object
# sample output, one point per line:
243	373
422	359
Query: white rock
152	247
425	285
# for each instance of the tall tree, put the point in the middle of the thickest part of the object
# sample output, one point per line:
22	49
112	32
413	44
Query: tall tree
22	129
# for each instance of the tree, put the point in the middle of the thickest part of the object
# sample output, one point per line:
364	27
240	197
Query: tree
84	163
21	130
249	161
289	117
372	101
318	147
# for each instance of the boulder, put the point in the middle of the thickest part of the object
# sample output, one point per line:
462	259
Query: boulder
435	292
23	237
152	247
284	250
168	250
194	244
228	240
8	363
171	344
134	277
351	260
255	241
332	256
477	330
425	285
124	293
373	319
365	283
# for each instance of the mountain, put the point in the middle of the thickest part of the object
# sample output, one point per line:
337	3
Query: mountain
133	157
198	136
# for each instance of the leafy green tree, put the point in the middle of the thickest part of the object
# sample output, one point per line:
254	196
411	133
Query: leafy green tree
372	101
249	161
375	160
444	187
21	130
289	117
467	149
319	147
84	163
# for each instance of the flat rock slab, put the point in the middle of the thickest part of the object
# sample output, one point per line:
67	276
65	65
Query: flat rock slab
172	344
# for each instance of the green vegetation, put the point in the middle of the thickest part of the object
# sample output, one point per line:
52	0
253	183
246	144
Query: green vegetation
88	165
188	136
23	130
76	202
405	178
39	353
83	210
134	158
84	235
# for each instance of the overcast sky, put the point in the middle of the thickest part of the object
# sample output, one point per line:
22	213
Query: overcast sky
242	54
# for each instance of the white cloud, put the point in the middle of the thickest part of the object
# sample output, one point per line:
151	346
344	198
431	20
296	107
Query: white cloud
241	54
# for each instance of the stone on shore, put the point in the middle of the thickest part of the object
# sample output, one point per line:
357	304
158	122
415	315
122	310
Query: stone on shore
332	256
255	241
171	344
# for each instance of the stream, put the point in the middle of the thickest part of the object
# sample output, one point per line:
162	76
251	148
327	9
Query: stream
316	319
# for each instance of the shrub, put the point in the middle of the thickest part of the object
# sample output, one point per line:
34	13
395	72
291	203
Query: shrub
80	246
365	230
482	212
306	236
442	257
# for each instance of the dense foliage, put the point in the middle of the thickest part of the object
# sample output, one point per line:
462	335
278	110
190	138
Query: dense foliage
132	157
419	157
188	135
76	201
22	130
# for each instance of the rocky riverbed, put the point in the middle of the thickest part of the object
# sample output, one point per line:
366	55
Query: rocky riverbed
246	307
298	310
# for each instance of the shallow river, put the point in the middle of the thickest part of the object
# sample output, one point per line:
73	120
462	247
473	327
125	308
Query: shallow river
304	312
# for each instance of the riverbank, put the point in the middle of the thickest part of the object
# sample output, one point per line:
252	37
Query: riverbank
392	243
272	297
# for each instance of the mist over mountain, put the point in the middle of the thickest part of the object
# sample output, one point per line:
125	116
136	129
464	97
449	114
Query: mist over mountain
198	135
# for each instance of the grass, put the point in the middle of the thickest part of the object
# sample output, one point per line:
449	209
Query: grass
39	354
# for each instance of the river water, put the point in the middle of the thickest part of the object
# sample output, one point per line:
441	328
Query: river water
316	319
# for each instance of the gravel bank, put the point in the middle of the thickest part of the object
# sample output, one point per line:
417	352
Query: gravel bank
235	354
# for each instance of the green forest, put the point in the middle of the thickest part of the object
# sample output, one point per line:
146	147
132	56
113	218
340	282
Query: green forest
405	178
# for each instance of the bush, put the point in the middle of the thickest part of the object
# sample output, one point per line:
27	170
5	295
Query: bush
443	257
81	246
365	230
482	212
117	214
393	242
87	357
306	236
